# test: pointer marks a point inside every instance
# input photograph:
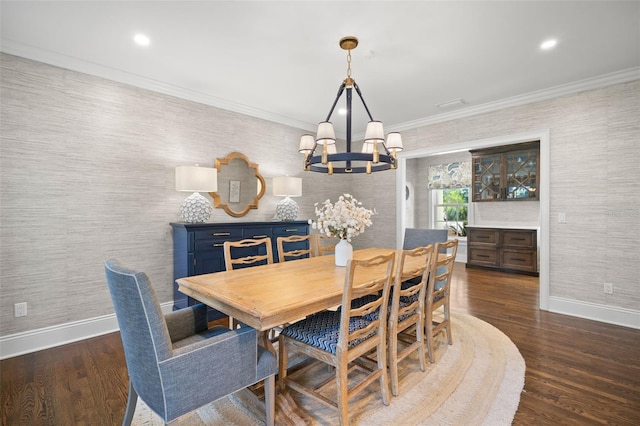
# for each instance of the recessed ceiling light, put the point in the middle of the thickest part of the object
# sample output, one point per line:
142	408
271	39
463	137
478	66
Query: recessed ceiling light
141	39
549	44
342	111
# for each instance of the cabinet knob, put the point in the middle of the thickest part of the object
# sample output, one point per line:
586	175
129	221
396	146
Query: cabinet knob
259	236
221	234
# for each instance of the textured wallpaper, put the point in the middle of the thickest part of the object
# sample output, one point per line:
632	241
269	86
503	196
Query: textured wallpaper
87	174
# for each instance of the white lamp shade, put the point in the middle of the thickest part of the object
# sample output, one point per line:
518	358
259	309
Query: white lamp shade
367	148
374	132
307	142
394	141
196	179
287	186
326	134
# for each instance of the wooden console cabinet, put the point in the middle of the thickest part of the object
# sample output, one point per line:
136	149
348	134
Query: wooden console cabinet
514	250
198	248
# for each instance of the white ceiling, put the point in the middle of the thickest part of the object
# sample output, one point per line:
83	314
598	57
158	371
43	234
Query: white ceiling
281	60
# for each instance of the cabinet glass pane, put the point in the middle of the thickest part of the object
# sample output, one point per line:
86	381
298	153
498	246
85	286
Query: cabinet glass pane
521	175
486	178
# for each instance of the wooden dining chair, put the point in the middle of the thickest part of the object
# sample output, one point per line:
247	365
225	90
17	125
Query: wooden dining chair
407	307
438	294
249	252
325	244
290	248
338	338
246	253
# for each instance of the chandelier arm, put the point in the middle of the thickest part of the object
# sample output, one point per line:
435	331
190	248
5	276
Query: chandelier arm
355	86
340	90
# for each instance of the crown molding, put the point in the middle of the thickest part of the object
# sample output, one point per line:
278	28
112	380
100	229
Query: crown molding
610	79
79	65
75	64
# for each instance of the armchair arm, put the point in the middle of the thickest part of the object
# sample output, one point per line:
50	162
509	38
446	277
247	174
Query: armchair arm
210	369
186	322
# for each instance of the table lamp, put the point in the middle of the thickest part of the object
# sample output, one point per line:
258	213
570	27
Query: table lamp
287	186
196	208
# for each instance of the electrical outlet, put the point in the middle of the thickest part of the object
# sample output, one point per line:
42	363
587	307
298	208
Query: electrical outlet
20	309
562	217
608	288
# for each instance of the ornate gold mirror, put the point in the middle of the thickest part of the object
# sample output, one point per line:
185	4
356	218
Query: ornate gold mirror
240	186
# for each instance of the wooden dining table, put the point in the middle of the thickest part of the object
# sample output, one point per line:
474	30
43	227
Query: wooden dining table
266	296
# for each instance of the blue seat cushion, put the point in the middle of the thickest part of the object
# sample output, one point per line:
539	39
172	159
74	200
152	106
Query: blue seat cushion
321	330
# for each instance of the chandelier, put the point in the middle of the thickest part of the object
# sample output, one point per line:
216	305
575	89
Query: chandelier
321	154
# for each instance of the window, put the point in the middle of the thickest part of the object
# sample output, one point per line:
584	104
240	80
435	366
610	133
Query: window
451	210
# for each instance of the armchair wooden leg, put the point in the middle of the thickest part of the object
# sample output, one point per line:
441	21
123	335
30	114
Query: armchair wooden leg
270	399
132	399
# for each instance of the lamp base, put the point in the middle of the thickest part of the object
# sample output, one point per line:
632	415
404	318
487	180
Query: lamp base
195	209
287	209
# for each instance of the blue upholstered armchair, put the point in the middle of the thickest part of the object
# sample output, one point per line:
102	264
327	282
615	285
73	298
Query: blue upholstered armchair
176	363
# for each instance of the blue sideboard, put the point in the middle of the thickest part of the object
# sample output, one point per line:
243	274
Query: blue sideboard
198	248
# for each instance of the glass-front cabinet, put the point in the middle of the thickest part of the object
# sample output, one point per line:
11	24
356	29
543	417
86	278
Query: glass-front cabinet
506	173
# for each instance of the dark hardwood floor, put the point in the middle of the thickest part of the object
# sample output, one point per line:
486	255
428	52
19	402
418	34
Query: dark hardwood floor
578	371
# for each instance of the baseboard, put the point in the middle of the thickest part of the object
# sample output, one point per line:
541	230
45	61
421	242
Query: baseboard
57	335
49	337
593	311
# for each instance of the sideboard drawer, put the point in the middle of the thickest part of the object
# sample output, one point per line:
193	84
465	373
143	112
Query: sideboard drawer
205	245
519	239
256	233
521	260
286	230
484	236
218	234
480	256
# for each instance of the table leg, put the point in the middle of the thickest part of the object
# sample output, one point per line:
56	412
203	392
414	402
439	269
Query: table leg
265	342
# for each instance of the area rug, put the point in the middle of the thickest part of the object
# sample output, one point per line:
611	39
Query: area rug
475	381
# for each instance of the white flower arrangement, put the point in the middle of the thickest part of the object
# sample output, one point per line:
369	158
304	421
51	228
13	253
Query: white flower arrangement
345	219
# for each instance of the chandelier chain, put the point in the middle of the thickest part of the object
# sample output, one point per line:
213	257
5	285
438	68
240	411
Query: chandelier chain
349	63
